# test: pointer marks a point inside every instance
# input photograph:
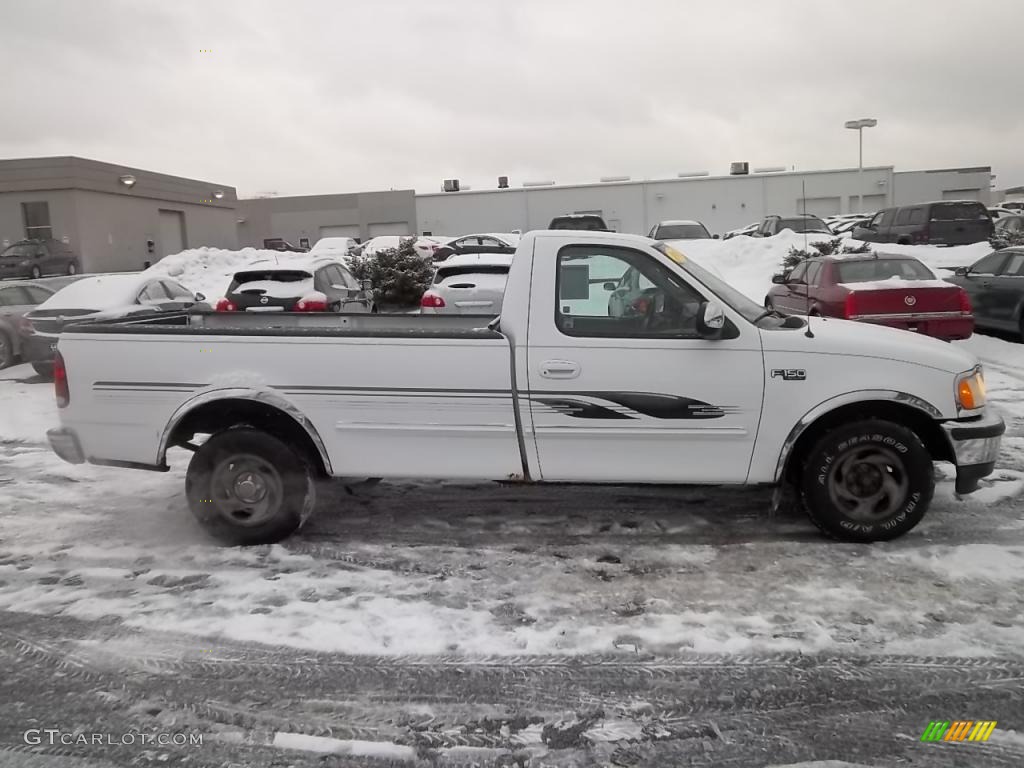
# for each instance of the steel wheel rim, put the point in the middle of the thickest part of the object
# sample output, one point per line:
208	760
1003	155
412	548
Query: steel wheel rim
869	483
246	490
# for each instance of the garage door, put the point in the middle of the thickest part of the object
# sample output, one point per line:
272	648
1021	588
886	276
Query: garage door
389	228
872	203
348	230
819	206
960	194
172	232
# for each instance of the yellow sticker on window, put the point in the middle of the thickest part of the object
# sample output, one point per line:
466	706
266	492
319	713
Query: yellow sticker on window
677	256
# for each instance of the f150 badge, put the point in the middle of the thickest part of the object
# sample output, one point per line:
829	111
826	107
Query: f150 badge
789	374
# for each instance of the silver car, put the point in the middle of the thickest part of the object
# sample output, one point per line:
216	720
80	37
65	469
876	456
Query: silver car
468	284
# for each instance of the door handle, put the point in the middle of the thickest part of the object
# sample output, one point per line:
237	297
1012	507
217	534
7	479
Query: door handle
559	369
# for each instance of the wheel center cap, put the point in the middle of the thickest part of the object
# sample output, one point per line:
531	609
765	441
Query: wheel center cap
865	480
249	488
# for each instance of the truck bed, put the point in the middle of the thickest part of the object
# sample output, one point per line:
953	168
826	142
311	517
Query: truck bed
295	324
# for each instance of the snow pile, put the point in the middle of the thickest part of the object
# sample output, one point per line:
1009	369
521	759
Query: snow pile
209	270
895	283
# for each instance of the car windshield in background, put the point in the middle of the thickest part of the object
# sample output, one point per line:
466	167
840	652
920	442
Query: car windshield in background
682	232
959	211
16	251
883	269
803	224
738	301
270	275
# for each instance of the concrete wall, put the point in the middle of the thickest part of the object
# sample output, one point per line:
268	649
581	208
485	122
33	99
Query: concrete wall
63	219
113	229
293	218
925	186
722	203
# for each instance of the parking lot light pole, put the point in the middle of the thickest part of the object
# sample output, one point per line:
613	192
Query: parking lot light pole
859	126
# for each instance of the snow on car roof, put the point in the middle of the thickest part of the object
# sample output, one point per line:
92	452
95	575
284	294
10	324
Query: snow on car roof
99	292
477	260
896	283
678	223
302	263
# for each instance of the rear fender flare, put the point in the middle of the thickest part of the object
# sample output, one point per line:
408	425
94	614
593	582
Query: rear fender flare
263	396
850	398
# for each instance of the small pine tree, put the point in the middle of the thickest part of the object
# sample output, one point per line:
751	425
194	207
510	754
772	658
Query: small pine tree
399	275
1006	239
832	247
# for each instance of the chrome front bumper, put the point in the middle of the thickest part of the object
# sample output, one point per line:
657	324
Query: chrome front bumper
64	442
975	446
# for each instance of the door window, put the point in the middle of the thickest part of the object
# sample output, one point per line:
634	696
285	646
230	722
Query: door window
797	275
604	291
917	216
348	279
177	292
14	297
989	265
903	217
1015	266
876	222
887	217
37	294
813	271
153	293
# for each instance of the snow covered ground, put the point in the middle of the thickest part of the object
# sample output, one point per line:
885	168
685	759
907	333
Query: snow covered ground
437	585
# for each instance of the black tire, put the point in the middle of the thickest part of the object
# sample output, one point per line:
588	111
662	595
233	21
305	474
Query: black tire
72	268
868	481
6	351
239	462
35	273
903	241
768	303
44	369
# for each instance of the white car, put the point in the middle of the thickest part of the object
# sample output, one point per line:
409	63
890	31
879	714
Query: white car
697	384
468	284
679	230
337	247
425	246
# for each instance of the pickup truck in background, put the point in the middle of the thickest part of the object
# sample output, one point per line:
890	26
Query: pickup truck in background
682	381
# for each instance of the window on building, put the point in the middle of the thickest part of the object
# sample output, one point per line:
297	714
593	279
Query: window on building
37	220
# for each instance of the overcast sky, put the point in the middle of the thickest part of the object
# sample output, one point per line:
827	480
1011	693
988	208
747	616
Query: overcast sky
319	96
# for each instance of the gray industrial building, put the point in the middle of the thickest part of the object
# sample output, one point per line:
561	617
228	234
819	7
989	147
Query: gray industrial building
304	220
721	202
115	217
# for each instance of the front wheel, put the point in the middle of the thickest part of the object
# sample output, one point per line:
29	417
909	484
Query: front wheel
868	481
72	268
35	273
248	487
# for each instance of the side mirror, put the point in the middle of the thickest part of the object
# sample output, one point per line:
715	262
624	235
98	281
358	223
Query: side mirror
200	297
710	320
962	271
366	285
779	279
609	286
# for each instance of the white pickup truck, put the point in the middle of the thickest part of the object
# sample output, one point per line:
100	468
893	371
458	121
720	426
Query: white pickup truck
590	375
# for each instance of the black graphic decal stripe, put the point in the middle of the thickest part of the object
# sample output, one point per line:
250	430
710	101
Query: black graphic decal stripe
580	409
657	406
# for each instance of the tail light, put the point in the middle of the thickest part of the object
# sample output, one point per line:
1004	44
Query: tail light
25	327
431	301
60	382
310	304
226	305
850	307
965	303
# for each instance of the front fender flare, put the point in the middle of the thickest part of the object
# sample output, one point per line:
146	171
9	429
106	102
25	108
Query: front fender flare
849	398
264	396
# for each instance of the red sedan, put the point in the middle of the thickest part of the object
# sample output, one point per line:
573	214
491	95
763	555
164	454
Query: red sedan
898	291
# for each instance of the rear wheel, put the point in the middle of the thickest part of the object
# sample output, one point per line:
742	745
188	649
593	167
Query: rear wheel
35	273
6	351
43	369
72	268
869	481
248	487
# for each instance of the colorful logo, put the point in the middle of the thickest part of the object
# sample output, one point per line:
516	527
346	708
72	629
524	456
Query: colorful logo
958	730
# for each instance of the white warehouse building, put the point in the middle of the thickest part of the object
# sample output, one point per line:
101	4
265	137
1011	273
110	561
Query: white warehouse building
721	202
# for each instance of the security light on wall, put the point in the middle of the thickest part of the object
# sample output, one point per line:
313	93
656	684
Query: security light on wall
219	194
128	180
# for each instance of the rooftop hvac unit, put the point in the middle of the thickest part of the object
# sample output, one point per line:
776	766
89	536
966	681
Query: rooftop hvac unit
770	169
739	169
538	183
609	179
503	182
692	174
451	185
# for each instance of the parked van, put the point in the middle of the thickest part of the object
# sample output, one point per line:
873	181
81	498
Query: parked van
951	222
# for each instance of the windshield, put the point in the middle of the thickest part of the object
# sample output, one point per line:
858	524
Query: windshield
270	275
682	232
803	224
18	251
750	310
882	269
